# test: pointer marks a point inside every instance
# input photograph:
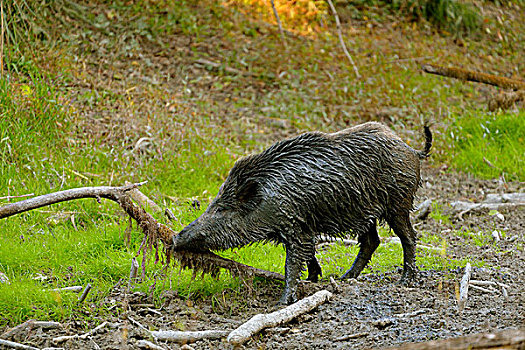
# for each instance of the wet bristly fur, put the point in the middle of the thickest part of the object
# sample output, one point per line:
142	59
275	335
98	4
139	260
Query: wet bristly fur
336	184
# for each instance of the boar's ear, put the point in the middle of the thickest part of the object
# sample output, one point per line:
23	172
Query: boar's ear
247	191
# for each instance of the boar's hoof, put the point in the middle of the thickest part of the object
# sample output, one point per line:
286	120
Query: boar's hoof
349	275
408	279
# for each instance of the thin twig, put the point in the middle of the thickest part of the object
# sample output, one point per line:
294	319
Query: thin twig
340	34
82	336
283	38
463	290
85	293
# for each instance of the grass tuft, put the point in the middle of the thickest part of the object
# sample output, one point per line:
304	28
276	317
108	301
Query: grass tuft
490	145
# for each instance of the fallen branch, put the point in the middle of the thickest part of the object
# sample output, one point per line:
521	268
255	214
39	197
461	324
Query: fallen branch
352	336
112	193
144	344
411	314
61	339
484	290
505	100
478	77
153	230
13	345
507	339
341	40
491	202
84	294
463	289
29	325
259	322
188	337
489	283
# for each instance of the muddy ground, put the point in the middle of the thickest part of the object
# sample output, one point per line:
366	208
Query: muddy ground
370	312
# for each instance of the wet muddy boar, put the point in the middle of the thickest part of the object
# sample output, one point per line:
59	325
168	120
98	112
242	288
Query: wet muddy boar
336	184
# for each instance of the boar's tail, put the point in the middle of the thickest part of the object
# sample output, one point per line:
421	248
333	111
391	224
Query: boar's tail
428	143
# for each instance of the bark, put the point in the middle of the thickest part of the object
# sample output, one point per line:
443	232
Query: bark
478	77
259	322
505	100
188	337
508	339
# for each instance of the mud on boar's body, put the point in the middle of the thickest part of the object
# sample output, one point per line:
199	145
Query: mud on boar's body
336	184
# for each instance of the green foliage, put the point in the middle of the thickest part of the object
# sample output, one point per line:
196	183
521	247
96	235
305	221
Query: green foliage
490	145
454	16
451	15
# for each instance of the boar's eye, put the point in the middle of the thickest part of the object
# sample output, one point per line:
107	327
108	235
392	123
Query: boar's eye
247	192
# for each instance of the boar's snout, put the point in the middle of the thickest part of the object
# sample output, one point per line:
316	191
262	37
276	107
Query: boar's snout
190	239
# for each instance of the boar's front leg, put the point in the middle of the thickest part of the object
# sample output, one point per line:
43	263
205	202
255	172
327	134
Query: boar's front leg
296	255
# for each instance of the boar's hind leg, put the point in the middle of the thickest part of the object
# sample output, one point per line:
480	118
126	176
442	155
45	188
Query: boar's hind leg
368	244
314	269
403	229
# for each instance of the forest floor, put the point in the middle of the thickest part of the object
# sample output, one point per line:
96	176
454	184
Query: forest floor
370	312
145	97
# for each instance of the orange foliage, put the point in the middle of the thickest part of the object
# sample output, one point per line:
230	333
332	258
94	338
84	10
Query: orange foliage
300	16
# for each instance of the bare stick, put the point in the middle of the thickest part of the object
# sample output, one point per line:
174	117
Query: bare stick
484	290
259	322
352	336
283	38
142	199
62	196
17	329
83	336
84	293
188	337
478	77
411	314
341	40
145	344
13	345
133	271
489	283
463	289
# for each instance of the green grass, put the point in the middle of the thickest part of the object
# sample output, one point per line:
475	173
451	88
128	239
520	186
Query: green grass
193	149
490	145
